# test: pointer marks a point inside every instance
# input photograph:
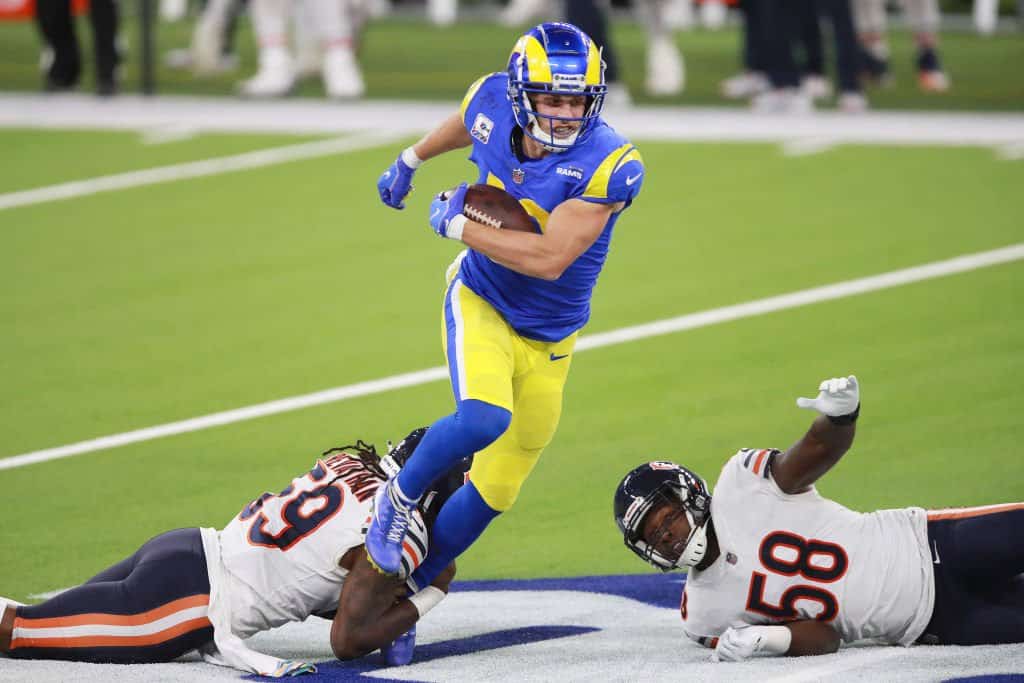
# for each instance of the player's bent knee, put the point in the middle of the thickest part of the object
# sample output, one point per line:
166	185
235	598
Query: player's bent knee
498	496
482	423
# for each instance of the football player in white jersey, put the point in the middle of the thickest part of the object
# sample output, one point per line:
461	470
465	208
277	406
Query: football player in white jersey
283	558
775	568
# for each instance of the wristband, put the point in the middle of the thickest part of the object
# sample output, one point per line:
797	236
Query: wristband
847	419
410	159
455	227
777	639
427	599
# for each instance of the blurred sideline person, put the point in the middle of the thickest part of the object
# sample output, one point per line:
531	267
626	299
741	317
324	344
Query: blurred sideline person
283	558
515	301
326	27
785	29
57	26
212	48
923	18
776	569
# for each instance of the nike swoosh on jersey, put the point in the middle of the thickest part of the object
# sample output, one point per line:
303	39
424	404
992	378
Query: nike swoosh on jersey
935	548
554	357
633	178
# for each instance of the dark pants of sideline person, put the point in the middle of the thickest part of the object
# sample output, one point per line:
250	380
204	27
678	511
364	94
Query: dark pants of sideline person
53	17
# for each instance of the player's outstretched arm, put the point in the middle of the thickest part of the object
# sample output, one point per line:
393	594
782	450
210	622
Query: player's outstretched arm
395	183
573	226
795	639
826	441
373	609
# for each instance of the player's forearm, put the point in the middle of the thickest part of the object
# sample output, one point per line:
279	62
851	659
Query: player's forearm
811	638
531	255
450	134
351	638
815	454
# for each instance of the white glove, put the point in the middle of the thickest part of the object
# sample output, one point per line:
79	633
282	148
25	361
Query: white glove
737	644
836	397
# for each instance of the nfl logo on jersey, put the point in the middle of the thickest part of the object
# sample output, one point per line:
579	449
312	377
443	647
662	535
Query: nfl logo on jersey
518	175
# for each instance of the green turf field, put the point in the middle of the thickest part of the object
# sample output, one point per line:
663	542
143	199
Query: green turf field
406	58
140	307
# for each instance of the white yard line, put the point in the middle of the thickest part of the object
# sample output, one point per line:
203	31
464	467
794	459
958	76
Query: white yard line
623	335
196	169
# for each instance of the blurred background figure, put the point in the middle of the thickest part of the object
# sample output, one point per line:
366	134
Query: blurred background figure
923	19
666	68
753	80
326	35
442	12
784	52
64	68
212	49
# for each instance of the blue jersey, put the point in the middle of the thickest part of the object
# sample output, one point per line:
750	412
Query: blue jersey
604	168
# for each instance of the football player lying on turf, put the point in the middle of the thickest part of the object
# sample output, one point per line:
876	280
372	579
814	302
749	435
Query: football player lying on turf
283	558
777	569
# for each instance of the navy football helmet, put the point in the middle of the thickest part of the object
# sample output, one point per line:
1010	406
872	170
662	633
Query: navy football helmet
651	485
559	59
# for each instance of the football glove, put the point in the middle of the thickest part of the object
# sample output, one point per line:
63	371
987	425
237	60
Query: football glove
396	183
737	644
446	217
837	397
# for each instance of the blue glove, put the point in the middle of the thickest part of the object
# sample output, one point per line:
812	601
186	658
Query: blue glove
395	183
446	216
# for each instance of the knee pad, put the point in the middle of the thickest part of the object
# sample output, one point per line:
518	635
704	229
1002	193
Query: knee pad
482	423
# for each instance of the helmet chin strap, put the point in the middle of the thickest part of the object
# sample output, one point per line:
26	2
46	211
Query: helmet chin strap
696	545
538	134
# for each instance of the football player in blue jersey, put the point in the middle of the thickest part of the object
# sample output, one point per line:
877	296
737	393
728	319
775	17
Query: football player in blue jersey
515	301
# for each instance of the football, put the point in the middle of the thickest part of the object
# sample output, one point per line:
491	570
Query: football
496	208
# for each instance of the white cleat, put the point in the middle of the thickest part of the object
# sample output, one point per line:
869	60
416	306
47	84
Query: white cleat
276	76
744	85
666	70
933	81
816	87
852	103
786	101
342	77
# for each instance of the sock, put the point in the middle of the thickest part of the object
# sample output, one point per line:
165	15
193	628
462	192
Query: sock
928	60
461	521
471	428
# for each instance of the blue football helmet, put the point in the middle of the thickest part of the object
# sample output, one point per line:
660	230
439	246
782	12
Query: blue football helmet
560	59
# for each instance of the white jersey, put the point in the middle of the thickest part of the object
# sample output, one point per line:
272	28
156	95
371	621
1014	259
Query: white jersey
786	557
280	556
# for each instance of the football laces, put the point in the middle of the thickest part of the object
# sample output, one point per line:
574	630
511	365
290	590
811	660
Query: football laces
481	217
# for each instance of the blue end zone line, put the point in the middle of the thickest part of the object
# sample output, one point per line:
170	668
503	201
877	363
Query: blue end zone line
839	290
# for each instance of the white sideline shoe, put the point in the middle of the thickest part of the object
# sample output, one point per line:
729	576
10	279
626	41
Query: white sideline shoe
276	76
666	70
744	85
816	87
342	77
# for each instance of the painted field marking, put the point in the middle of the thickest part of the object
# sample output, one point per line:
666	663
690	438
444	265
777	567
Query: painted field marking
839	290
196	169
